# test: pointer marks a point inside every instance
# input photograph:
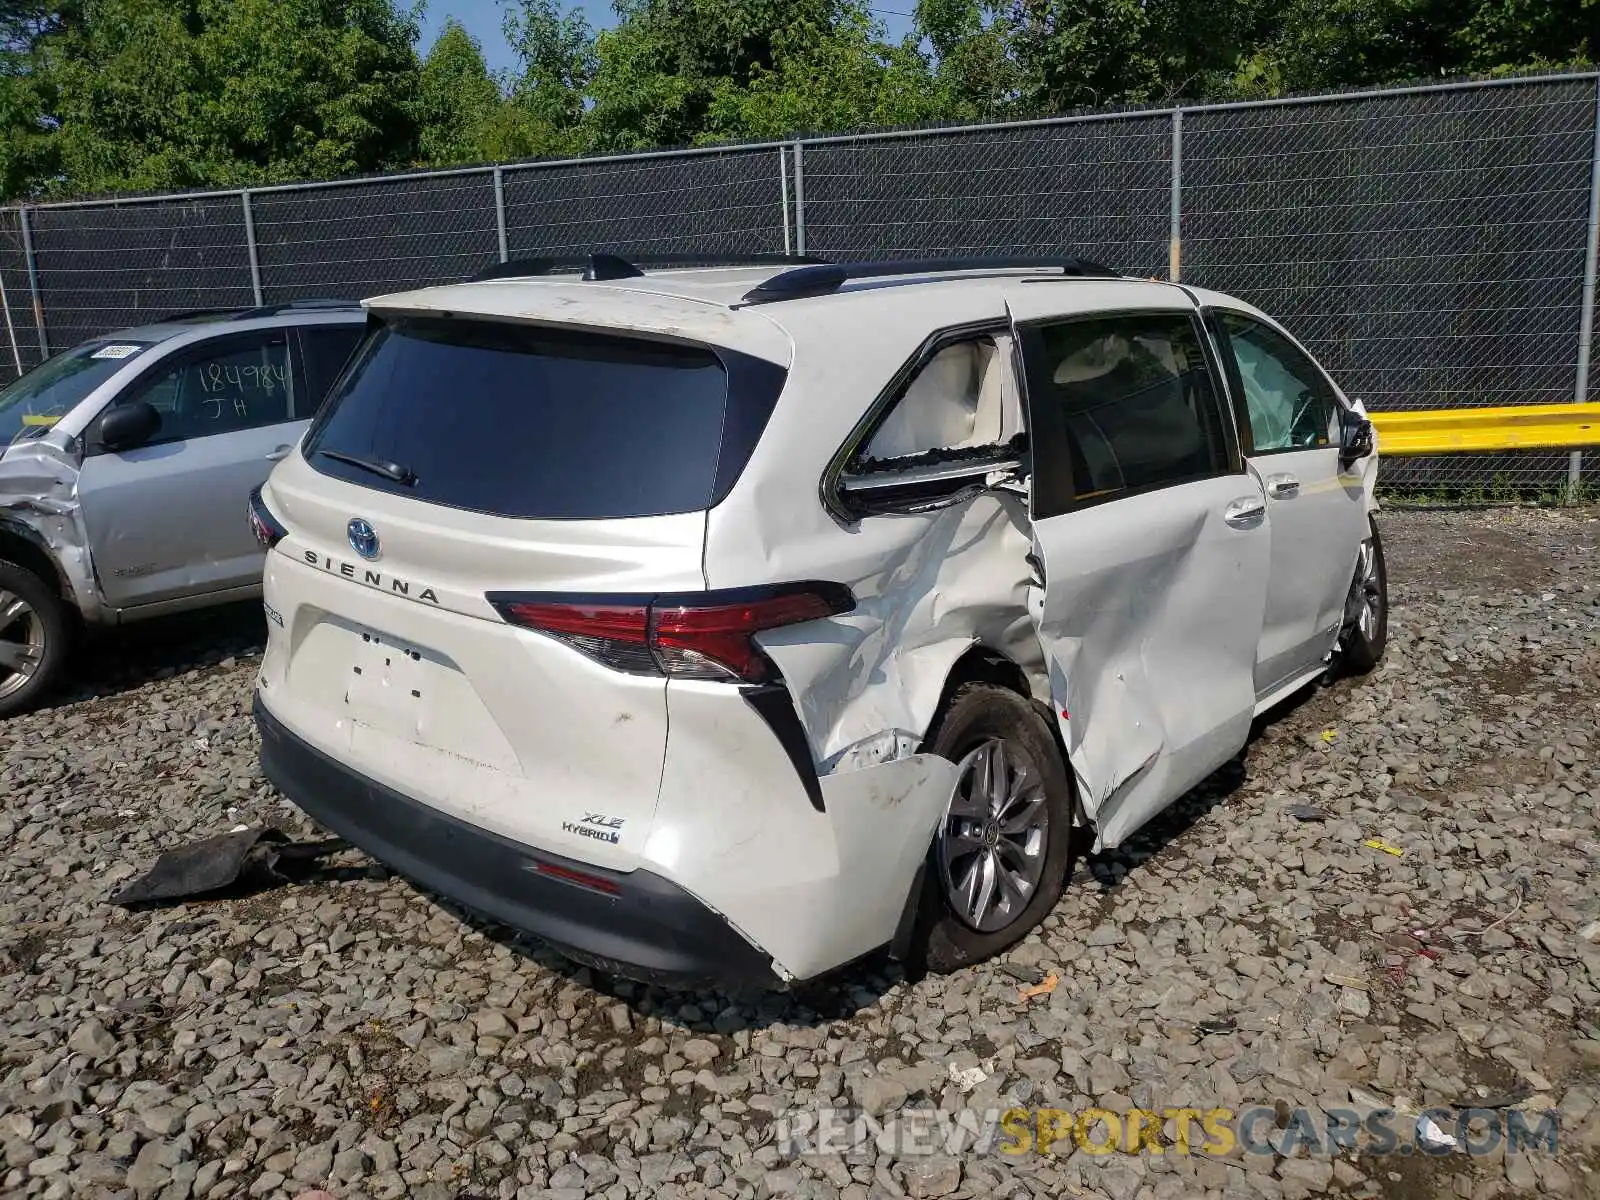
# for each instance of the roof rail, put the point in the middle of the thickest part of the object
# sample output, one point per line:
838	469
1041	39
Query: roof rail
602	266
196	314
245	314
828	278
314	304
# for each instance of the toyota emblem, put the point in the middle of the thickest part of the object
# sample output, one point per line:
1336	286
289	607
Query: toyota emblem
363	538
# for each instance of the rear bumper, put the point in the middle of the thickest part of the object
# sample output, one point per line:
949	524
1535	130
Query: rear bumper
643	926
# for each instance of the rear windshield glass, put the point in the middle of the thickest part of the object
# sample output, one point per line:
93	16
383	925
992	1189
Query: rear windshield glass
524	422
31	405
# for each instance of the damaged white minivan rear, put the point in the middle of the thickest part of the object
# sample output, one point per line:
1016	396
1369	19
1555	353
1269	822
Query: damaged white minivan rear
727	625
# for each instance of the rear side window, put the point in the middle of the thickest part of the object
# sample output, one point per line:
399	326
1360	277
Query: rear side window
543	423
325	349
961	403
1120	404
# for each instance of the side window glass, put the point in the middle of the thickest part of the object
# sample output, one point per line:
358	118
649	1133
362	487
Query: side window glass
1120	404
327	348
961	402
221	389
1288	400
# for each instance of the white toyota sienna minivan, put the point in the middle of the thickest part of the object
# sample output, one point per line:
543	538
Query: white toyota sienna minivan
728	624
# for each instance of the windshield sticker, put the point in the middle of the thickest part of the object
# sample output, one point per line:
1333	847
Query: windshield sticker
42	419
117	351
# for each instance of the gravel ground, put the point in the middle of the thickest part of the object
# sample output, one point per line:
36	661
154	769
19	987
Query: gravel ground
357	1035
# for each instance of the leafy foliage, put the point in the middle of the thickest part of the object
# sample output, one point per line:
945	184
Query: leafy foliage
457	100
99	95
174	93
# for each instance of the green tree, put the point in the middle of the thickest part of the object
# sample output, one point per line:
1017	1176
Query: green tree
848	78
667	62
27	93
458	102
1318	44
555	51
1086	53
175	93
1520	34
100	95
977	74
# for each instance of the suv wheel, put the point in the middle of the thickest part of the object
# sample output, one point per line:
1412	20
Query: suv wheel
1000	856
34	633
1366	608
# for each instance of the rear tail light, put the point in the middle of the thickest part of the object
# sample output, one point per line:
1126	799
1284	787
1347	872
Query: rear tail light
263	524
695	635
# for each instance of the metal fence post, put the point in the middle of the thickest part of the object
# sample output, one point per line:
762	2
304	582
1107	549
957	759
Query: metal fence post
1580	390
500	211
11	328
33	282
250	247
1175	229
799	200
783	196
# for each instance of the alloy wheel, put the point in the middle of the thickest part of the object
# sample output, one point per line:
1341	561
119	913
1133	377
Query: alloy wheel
1365	604
21	643
992	845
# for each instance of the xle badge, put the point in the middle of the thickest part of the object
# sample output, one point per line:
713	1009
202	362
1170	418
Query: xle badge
598	826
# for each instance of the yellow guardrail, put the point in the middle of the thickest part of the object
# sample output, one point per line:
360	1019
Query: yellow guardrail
1512	427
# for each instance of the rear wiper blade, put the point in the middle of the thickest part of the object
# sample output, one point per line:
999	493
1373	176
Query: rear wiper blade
404	476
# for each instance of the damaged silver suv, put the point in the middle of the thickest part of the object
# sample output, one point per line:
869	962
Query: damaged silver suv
126	461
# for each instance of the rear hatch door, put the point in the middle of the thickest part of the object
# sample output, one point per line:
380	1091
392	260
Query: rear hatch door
458	459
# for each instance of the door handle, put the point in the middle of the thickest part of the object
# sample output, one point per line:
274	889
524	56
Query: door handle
1245	512
1281	487
281	453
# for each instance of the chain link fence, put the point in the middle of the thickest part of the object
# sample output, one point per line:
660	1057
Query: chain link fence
696	202
1429	246
19	351
1100	188
1434	246
364	239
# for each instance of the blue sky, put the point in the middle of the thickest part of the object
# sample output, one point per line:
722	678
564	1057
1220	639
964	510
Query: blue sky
482	20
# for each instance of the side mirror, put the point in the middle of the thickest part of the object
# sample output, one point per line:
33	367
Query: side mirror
129	426
1356	438
917	488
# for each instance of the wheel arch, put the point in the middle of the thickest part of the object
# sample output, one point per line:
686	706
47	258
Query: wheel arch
982	663
27	549
979	663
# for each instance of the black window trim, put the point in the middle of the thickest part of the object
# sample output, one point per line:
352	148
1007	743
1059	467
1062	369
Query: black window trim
1213	314
373	323
302	364
180	357
302	372
891	393
1232	449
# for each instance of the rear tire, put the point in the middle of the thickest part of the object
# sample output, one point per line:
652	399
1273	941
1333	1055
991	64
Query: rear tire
35	639
1000	856
1366	609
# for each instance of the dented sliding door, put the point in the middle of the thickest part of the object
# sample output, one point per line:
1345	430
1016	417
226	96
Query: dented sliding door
1152	547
